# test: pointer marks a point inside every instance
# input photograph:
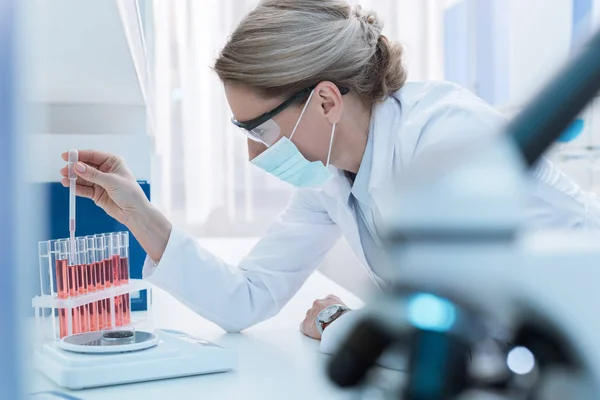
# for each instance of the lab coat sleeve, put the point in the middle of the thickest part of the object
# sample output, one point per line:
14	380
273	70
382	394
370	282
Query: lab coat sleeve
554	201
237	297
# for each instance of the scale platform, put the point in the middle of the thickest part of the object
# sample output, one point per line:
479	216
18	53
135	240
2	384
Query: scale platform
177	354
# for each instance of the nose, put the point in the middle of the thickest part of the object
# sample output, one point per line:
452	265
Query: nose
255	149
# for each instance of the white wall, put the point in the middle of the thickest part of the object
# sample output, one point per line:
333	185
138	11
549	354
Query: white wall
80	53
47	148
85	83
92	119
540	37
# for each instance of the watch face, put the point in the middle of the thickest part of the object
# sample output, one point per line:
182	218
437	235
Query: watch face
329	312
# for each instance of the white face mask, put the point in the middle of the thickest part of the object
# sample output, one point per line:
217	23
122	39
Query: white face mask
285	161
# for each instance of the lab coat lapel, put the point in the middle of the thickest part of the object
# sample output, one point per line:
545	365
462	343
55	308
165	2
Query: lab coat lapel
385	128
387	159
343	214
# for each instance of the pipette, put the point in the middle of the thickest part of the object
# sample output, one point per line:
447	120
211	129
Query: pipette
72	160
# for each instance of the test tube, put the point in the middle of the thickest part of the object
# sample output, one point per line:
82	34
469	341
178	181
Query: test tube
106	261
100	278
82	261
57	275
64	263
91	278
82	279
114	244
108	277
47	259
114	249
124	255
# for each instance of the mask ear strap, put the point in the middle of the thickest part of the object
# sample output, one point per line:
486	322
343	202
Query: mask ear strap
330	144
302	114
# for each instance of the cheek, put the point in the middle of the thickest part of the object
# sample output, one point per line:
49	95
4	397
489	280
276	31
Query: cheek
312	140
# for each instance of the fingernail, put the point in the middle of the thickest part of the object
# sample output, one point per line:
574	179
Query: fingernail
80	167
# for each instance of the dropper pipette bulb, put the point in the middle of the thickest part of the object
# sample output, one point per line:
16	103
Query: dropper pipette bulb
71	161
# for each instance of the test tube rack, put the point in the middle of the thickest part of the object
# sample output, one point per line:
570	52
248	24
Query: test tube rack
85	286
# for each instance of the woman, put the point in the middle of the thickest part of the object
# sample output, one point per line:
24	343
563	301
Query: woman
321	95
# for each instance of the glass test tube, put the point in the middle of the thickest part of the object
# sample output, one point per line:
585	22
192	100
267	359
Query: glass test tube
100	278
67	269
91	280
106	262
62	286
53	276
124	254
108	277
47	260
84	318
115	259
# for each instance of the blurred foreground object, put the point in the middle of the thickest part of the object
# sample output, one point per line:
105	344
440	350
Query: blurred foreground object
482	309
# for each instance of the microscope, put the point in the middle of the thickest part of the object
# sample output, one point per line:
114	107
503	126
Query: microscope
481	308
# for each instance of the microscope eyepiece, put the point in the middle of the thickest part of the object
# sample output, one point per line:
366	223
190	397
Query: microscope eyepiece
359	352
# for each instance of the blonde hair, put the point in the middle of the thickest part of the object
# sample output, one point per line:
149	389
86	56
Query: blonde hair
284	46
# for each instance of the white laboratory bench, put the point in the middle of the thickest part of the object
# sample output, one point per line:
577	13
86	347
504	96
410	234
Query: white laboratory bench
275	360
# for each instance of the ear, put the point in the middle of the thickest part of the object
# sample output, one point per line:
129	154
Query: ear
330	100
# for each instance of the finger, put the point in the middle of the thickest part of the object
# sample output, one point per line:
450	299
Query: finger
332	297
85	191
80	181
93	175
94	157
83	182
64	171
80	190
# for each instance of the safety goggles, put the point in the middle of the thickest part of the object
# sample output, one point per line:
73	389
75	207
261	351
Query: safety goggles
263	129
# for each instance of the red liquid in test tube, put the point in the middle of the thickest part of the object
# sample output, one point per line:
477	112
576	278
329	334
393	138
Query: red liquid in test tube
84	318
102	279
116	270
72	278
125	280
83	289
82	282
99	270
61	288
92	307
108	275
123	243
108	283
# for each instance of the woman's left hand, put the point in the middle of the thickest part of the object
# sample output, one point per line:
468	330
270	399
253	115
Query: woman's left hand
309	326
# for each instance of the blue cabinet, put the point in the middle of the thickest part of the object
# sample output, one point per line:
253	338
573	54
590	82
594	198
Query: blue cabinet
91	219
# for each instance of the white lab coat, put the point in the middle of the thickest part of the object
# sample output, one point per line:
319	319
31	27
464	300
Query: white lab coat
425	115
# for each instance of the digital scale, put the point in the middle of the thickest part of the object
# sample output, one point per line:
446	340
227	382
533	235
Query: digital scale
89	360
89	340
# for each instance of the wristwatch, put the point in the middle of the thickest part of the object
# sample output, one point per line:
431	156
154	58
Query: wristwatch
328	315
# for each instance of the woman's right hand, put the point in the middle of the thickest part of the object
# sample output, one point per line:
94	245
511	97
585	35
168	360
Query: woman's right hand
106	180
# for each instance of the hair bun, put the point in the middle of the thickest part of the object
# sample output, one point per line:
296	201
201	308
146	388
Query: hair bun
369	19
267	52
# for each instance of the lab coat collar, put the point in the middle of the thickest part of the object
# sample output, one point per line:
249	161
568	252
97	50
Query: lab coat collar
378	166
385	131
